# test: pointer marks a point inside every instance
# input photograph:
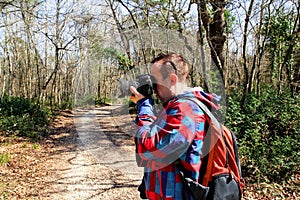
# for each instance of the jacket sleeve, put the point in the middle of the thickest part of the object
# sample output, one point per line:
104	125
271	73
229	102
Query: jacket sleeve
165	139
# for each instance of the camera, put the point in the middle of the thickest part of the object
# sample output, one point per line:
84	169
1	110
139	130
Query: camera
143	83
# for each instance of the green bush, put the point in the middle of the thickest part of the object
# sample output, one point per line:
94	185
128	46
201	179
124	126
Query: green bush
66	104
88	100
103	101
267	128
22	116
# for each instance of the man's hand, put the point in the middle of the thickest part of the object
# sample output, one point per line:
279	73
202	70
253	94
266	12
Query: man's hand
136	96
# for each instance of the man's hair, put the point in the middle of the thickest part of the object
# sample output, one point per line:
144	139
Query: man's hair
173	62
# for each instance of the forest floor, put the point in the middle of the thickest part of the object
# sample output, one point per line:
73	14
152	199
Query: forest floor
88	154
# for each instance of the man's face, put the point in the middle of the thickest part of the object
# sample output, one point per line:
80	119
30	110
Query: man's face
163	85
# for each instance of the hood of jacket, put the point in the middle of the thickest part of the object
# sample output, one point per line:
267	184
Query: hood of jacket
211	100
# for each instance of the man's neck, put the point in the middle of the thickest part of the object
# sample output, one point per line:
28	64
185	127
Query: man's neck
179	88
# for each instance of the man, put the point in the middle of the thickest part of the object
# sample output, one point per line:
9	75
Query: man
176	135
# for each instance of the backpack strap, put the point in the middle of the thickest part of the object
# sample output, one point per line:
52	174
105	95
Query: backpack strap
237	160
204	109
213	119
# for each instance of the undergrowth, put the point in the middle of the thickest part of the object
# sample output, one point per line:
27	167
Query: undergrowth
268	132
22	117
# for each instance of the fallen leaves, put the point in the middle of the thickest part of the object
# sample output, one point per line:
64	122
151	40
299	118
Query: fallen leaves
29	171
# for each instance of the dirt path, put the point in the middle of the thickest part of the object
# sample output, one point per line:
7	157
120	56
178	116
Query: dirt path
89	154
102	163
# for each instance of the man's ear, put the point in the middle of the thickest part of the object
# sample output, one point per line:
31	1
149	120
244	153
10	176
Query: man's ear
173	79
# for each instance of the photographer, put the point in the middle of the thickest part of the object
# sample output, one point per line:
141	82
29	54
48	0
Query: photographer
175	135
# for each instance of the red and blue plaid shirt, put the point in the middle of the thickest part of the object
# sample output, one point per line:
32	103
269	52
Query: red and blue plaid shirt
176	134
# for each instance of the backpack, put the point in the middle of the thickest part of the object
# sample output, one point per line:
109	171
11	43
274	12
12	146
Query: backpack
220	171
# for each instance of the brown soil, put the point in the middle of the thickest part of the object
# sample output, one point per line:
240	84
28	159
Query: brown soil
69	165
60	167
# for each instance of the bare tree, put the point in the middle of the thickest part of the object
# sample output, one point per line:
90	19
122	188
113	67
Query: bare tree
214	25
8	60
60	44
244	52
45	46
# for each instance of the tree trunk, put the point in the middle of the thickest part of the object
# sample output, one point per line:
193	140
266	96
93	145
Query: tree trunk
120	30
260	46
244	54
289	51
8	55
214	26
200	35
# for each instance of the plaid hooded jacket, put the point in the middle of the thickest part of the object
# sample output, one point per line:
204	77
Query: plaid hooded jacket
175	135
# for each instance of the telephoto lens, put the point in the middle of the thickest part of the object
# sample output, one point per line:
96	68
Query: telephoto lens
143	83
125	87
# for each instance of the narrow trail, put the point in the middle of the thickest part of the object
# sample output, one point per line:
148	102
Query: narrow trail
102	164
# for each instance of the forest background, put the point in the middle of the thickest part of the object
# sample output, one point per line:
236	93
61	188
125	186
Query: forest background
62	53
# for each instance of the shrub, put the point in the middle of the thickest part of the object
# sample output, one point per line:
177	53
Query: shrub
84	101
22	116
102	101
267	128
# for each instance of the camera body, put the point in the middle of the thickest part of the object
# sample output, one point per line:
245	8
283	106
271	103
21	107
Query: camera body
143	83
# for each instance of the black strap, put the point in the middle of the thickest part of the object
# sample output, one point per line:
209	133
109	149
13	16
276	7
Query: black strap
236	154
